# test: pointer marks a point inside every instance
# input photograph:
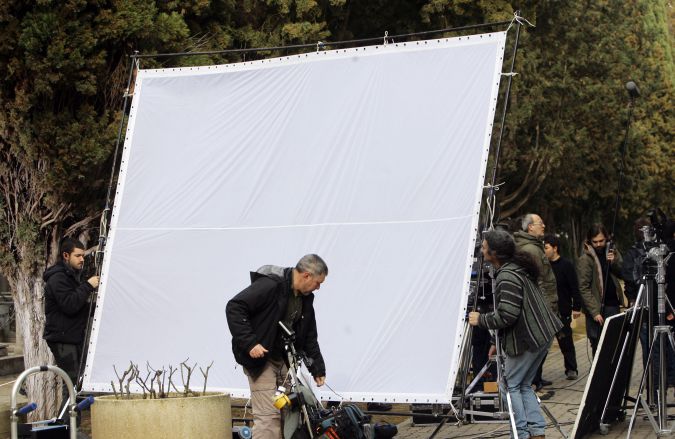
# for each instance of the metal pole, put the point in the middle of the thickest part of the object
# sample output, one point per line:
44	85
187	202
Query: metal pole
606	275
103	229
507	94
659	255
325	43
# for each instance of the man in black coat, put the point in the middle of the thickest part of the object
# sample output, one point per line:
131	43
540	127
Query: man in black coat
569	302
275	294
67	307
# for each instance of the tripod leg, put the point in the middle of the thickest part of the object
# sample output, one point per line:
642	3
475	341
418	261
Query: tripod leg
512	418
437	429
639	400
556	424
465	363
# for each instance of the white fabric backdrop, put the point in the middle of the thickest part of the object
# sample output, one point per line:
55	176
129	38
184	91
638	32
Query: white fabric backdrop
371	157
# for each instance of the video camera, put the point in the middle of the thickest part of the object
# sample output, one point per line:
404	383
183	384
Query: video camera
660	227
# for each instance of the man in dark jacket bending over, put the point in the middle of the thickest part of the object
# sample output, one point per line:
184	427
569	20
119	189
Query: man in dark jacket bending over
67	307
275	294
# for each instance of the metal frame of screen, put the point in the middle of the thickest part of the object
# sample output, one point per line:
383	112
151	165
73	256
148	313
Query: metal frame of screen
91	381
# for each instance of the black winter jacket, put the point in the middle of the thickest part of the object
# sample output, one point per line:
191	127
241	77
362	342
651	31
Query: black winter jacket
253	317
66	306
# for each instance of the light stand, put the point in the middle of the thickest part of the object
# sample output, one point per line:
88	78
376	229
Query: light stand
660	256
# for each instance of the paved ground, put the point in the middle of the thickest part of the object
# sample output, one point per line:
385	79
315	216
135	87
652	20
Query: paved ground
563	405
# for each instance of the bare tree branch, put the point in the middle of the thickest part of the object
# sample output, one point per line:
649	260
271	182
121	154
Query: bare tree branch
206	376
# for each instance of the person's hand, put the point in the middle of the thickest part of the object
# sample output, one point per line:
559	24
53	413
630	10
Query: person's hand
492	351
599	319
93	281
576	314
473	318
320	381
258	351
610	255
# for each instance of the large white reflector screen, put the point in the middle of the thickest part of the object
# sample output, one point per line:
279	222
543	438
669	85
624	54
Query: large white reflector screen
373	158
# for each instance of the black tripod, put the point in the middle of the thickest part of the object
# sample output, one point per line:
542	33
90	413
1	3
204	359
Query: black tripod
661	334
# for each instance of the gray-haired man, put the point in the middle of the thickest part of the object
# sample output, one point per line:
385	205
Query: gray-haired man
275	294
530	240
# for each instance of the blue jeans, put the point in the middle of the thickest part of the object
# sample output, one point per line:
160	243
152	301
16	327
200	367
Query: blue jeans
519	373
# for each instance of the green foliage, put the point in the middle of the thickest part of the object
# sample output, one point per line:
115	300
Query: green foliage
64	67
570	109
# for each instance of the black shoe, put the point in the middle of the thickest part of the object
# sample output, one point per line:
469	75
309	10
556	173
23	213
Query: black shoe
572	375
544	382
538	386
378	407
545	395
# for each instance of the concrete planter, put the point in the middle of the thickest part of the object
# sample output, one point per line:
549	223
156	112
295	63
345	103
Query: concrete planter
208	416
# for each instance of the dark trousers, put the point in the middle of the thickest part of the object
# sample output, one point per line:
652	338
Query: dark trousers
540	370
566	343
593	328
67	357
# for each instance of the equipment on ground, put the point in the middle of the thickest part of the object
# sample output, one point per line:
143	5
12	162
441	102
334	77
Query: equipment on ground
304	416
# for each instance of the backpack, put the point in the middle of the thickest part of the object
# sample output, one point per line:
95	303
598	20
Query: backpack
347	422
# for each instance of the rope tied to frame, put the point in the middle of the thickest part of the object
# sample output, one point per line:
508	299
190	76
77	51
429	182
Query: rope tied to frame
517	18
491	202
336	394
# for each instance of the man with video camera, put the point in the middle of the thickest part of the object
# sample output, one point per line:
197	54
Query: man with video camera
599	269
275	294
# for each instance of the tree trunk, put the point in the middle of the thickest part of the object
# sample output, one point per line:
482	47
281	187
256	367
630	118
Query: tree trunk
42	388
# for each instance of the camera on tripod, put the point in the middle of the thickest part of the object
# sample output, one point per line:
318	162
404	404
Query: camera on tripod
656	233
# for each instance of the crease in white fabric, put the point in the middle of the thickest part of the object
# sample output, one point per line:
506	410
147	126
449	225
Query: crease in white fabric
289	226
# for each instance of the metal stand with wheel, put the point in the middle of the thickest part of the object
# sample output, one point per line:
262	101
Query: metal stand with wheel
73	408
662	334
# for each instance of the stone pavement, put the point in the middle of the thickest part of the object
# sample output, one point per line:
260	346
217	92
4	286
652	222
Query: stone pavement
563	405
